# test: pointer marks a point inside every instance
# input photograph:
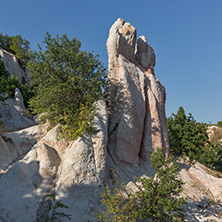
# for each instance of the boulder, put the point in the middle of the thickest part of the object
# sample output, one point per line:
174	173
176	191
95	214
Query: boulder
17	102
11	119
214	133
14	145
14	115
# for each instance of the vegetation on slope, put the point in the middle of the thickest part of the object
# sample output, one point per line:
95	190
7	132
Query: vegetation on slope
188	137
67	83
9	84
17	46
157	198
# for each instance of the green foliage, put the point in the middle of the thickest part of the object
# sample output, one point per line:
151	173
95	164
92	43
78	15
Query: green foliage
5	42
189	138
21	48
55	214
158	198
68	81
219	123
120	206
3	80
212	156
9	84
16	45
186	136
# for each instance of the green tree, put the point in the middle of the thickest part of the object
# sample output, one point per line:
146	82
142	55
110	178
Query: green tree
219	123
68	81
186	136
17	46
3	80
158	198
212	156
20	47
5	42
189	138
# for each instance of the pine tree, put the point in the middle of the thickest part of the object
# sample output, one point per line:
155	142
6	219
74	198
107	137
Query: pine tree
158	198
186	136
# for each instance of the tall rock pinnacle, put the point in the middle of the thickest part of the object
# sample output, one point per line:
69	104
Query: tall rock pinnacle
137	122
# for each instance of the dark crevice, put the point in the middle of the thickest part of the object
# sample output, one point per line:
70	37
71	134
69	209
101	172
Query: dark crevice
145	119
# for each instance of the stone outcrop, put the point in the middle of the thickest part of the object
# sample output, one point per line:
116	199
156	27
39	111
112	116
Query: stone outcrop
11	119
13	114
13	67
14	145
17	102
214	133
130	125
74	171
137	123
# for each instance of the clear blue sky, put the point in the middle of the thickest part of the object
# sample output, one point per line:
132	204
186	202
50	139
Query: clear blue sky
185	34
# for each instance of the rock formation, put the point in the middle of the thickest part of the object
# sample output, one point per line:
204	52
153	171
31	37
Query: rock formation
131	124
13	67
13	114
137	123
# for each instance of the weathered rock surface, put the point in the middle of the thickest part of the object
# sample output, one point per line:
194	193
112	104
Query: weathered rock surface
17	102
13	67
137	123
14	145
214	133
13	114
12	120
72	170
201	182
131	124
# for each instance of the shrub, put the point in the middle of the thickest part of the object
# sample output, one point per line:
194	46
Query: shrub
158	198
67	83
189	138
119	205
219	123
17	46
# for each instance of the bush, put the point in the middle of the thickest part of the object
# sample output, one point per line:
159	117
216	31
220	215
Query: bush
67	83
189	138
219	123
17	46
120	206
157	199
186	136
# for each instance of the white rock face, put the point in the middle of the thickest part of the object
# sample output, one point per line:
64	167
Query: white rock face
145	55
12	120
73	170
13	67
137	123
14	145
17	102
